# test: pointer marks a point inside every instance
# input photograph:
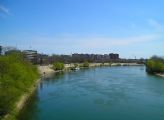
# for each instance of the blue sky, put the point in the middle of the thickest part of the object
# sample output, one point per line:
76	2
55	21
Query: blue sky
128	27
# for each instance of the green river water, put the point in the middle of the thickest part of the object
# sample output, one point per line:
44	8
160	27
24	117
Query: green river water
104	93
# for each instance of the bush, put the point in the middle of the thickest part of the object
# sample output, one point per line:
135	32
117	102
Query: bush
76	65
110	63
86	64
58	66
118	64
155	65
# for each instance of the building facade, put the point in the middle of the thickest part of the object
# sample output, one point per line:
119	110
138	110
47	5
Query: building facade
113	56
96	57
31	56
43	59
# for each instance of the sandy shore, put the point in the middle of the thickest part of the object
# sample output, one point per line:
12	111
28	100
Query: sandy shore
113	64
160	75
47	69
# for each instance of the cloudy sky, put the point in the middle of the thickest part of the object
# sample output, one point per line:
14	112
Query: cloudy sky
128	27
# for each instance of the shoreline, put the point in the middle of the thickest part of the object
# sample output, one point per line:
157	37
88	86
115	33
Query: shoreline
46	70
21	102
160	74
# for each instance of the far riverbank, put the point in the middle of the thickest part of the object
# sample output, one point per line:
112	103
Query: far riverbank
47	69
160	75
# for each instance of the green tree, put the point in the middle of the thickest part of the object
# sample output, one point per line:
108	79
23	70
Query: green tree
58	66
155	65
76	65
86	64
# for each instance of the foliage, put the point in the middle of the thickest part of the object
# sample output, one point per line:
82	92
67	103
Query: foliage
16	76
102	64
86	64
118	64
155	65
76	65
58	66
110	63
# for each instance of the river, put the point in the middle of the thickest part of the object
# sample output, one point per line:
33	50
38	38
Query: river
104	93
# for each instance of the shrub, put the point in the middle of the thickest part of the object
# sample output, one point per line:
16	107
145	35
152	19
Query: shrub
110	63
86	64
155	65
118	64
76	65
58	66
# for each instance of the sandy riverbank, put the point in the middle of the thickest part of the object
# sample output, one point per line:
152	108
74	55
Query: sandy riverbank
160	74
47	69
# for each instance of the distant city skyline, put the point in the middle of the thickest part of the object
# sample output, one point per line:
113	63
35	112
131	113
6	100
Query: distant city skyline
130	28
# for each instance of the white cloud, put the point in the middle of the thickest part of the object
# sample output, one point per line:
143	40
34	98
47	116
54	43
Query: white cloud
4	10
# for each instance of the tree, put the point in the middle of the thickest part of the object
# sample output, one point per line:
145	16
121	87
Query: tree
155	65
86	64
58	66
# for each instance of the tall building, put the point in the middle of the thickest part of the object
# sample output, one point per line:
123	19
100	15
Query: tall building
31	56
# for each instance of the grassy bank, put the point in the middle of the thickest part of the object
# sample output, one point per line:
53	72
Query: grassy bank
17	77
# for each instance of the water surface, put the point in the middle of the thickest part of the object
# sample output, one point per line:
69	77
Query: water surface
106	93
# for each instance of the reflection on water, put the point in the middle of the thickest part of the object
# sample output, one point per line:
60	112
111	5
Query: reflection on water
116	93
50	79
31	106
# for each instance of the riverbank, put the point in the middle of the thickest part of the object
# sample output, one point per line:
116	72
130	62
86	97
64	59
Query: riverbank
21	103
44	71
47	69
17	79
160	74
